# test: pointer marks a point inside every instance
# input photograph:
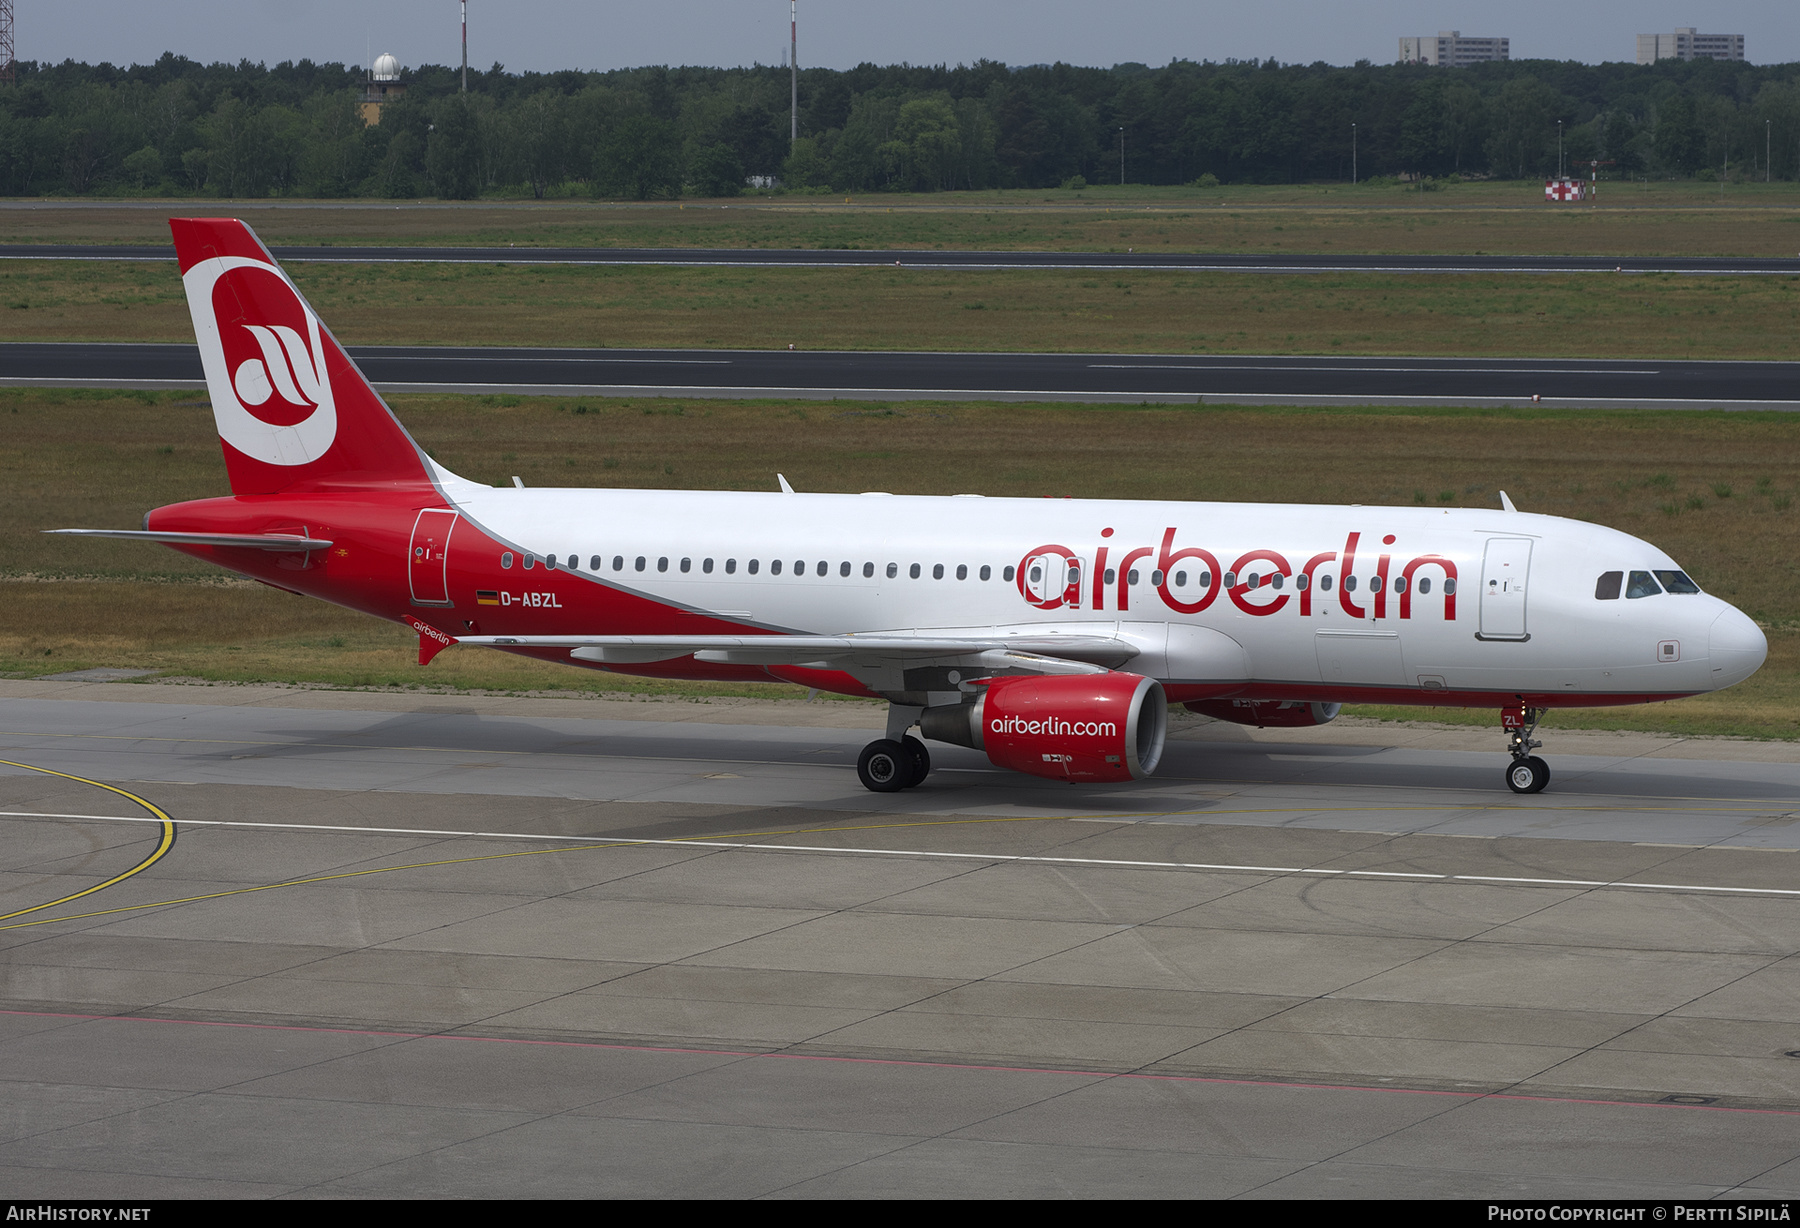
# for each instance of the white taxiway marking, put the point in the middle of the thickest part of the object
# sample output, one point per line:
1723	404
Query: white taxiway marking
701	843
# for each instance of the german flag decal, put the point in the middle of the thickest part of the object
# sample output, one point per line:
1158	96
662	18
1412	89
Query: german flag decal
487	596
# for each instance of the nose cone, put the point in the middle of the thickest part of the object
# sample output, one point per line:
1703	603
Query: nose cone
1736	648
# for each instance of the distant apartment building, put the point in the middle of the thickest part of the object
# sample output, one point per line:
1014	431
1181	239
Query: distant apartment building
1689	44
1449	49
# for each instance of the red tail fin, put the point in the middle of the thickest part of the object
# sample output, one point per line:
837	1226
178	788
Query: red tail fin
291	408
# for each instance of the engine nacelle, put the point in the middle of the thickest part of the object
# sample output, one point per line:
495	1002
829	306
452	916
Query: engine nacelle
1090	727
1266	713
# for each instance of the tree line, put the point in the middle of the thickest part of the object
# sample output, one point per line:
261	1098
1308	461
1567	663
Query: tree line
247	130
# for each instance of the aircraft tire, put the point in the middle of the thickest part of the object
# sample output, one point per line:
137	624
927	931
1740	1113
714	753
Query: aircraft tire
884	767
920	763
1527	775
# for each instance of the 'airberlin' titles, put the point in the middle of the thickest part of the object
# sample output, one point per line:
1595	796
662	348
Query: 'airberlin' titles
1259	582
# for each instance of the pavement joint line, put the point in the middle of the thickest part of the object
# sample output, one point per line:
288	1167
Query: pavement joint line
587	842
1145	1075
1649	805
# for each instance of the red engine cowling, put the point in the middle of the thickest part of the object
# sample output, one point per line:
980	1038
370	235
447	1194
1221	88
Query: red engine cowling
1089	727
1266	713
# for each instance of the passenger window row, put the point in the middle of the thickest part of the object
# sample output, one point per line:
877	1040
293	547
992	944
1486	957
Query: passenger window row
599	563
1642	584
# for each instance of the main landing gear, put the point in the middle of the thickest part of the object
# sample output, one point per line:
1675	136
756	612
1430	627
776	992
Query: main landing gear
1526	773
898	761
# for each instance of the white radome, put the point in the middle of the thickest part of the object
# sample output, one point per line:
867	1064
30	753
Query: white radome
385	68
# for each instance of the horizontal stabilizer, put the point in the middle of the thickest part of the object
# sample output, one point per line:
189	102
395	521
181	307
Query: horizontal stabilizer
287	543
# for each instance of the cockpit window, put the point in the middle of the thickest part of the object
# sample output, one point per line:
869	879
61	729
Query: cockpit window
1677	582
1606	588
1641	585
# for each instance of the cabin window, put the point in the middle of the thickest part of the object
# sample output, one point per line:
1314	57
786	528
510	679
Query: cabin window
799	568
662	564
937	571
962	571
1205	579
893	569
1450	587
594	563
640	563
824	568
574	563
774	567
731	567
506	561
1131	577
1607	587
618	562
752	566
1156	578
1425	585
687	565
1277	580
1181	579
530	561
1007	575
550	562
914	572
986	573
1349	584
1301	581
706	566
1251	581
1231	579
1641	584
868	571
1108	578
843	569
1400	584
1037	575
1325	583
1677	582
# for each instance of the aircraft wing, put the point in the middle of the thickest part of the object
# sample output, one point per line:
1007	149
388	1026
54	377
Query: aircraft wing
1029	653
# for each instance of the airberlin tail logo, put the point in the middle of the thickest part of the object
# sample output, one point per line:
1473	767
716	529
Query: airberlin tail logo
264	357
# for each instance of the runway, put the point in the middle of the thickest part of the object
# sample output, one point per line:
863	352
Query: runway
437	945
1134	378
928	258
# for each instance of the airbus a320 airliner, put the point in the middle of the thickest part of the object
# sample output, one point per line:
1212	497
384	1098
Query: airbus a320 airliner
1050	634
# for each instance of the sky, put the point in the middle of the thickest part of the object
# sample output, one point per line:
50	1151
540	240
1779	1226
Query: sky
545	35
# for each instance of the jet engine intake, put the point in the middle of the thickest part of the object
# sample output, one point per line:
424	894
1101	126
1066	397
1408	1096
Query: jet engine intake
1087	727
1267	713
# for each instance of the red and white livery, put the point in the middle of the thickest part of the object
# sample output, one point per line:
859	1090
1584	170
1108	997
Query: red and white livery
1050	634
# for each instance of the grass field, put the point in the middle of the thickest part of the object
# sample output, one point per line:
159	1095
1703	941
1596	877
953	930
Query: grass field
1716	490
1626	219
884	308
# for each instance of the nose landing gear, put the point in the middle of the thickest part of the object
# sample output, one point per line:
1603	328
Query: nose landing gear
1526	773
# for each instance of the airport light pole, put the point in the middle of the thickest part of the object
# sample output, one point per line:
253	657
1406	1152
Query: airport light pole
1768	135
1559	173
794	70
1121	157
1353	154
465	17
